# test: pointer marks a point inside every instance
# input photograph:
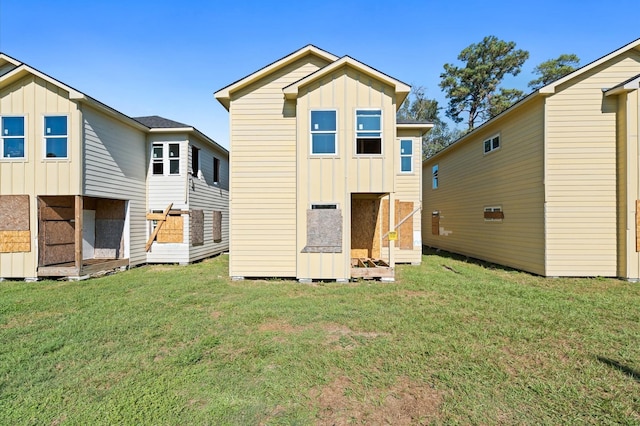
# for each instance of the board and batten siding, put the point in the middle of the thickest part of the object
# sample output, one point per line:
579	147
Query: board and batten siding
208	196
580	172
333	178
408	187
510	177
114	167
263	174
36	175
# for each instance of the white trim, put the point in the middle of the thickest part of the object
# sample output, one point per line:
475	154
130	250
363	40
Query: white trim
492	209
25	125
435	176
411	141
491	140
44	137
323	132
166	160
356	131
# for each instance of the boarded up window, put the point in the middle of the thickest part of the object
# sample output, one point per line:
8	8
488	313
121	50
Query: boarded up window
435	223
493	214
15	234
172	230
217	226
324	231
196	217
403	213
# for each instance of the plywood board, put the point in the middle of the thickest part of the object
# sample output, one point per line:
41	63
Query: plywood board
324	231
57	213
14	213
58	232
15	241
405	230
172	231
217	226
365	228
58	254
58	200
385	222
110	209
196	219
109	239
435	223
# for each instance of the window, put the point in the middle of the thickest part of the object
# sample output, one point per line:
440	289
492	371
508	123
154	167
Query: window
12	137
493	214
165	156
368	131
55	136
406	156
434	177
323	132
195	161
216	170
324	206
492	144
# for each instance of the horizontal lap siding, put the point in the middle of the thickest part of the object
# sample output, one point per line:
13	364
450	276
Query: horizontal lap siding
263	175
409	188
581	175
115	164
510	177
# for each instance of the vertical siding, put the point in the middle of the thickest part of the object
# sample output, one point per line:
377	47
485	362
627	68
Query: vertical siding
35	176
207	196
511	177
332	179
114	167
263	175
581	207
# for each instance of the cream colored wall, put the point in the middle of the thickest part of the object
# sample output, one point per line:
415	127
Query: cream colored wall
511	177
409	188
580	175
263	174
36	176
332	178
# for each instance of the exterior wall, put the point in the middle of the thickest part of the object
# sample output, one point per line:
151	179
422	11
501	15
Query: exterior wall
580	172
164	190
332	178
114	167
510	177
409	188
208	196
263	174
36	175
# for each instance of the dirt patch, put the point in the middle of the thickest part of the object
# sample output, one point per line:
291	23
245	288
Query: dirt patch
281	326
216	315
404	403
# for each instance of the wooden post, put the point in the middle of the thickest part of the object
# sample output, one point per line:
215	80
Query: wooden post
78	230
392	221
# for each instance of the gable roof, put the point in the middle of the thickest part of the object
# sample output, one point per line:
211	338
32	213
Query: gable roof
157	122
401	89
224	95
631	84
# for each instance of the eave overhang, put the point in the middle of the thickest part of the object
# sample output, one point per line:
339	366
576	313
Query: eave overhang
624	87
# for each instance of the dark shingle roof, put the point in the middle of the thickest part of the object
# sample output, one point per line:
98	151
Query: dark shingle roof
414	122
157	122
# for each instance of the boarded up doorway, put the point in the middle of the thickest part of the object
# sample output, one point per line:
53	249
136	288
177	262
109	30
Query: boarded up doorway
365	226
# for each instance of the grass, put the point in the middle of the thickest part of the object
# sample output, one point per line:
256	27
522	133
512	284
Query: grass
451	341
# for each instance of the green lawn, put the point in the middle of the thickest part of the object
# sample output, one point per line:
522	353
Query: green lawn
449	342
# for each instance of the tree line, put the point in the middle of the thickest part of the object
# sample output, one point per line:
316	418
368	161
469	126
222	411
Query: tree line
473	89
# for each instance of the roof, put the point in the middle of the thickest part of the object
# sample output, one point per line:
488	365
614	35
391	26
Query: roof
625	86
550	89
224	95
157	122
401	89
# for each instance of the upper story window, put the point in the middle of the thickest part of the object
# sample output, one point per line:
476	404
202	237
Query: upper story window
434	177
492	144
368	131
216	170
12	137
56	136
195	161
323	132
165	158
406	156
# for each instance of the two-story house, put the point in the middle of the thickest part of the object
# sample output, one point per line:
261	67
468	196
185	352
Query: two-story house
79	183
317	160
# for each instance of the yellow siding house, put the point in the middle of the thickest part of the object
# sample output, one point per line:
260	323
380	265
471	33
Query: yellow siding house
325	184
550	185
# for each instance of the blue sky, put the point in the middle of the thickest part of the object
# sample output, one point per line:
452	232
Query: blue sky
168	57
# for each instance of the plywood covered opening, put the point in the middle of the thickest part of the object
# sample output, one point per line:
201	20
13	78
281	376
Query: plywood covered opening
80	235
15	230
365	226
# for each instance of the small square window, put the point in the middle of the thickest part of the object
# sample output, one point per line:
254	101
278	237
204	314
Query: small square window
491	144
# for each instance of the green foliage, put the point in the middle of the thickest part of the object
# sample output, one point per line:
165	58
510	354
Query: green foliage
438	138
554	69
456	341
471	88
502	100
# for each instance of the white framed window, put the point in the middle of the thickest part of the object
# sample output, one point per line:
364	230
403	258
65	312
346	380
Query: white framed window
324	206
12	137
368	131
165	159
324	127
493	214
491	144
434	177
56	136
406	155
216	170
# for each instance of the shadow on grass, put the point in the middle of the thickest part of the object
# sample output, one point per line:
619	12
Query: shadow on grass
620	367
431	251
